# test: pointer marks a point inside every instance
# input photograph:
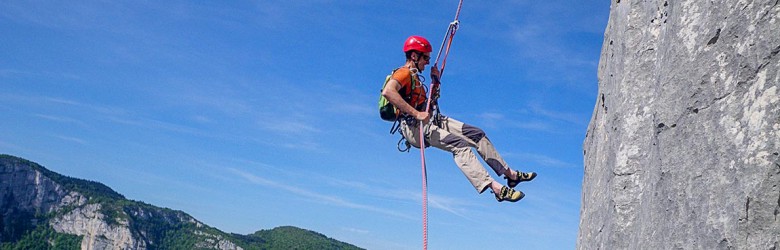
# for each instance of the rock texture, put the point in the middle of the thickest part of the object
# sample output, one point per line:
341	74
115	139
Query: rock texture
88	221
683	148
41	209
31	196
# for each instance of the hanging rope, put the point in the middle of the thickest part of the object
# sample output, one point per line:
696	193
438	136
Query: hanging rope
453	27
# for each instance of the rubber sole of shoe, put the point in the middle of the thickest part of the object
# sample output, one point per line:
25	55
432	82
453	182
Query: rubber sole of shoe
522	177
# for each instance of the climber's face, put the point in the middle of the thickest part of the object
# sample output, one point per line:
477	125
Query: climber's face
422	60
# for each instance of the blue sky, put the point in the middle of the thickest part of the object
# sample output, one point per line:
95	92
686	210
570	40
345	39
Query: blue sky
250	115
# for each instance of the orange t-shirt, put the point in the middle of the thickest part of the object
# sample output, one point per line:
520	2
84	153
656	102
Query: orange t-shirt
415	98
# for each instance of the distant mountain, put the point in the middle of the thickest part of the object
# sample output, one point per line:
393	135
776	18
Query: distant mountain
289	237
41	209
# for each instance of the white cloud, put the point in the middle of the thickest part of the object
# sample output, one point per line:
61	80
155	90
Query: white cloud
501	120
455	206
491	116
303	145
289	126
327	199
355	230
574	118
157	125
71	139
346	183
61	119
542	160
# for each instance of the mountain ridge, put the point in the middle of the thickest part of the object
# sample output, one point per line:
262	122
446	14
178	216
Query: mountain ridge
42	209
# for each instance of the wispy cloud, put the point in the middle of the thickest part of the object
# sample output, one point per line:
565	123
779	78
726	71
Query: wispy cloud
574	118
535	117
207	96
491	119
501	120
11	72
150	98
61	119
549	41
157	125
90	108
328	199
346	184
355	230
275	128
455	206
532	125
289	126
303	145
105	113
71	139
542	160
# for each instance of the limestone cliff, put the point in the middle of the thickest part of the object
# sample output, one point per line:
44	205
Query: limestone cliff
41	209
34	198
683	147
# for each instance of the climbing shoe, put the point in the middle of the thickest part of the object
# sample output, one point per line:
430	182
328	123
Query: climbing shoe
521	177
509	194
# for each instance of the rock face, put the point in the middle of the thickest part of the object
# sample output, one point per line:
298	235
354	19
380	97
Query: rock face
683	148
41	209
25	193
88	221
32	196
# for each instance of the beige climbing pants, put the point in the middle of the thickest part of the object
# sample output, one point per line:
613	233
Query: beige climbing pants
458	138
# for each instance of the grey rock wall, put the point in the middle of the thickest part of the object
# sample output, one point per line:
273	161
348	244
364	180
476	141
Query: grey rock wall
87	221
683	147
21	188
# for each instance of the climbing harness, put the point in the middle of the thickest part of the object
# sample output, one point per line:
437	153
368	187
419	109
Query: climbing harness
398	117
453	27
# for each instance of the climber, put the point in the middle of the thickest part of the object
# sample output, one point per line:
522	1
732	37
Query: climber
405	91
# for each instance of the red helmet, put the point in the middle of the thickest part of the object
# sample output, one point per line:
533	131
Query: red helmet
417	43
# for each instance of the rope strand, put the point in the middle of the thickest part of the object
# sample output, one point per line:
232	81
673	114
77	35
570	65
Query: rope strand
424	187
457	13
453	27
